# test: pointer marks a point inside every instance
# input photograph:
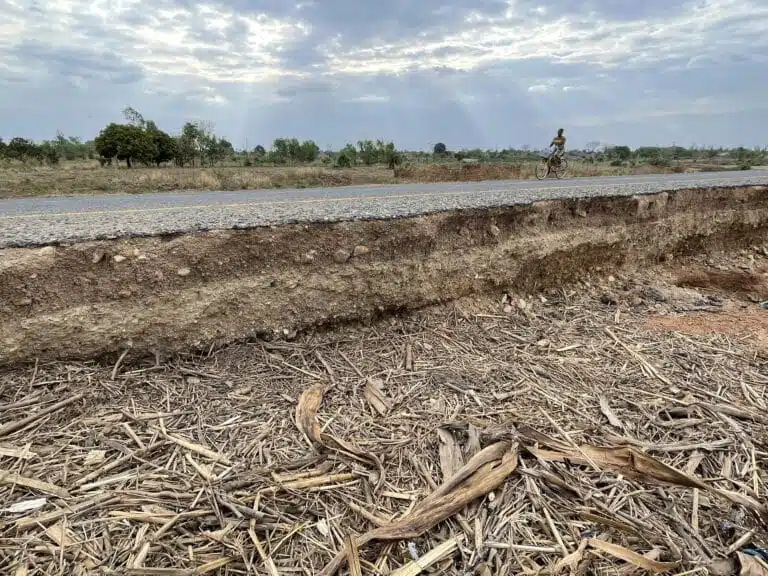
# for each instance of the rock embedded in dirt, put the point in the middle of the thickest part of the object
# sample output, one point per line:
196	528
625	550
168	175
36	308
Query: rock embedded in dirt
183	272
494	230
97	257
653	294
360	250
309	257
341	256
47	251
119	258
609	298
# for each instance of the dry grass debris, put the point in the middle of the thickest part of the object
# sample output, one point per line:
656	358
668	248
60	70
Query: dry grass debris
89	178
562	437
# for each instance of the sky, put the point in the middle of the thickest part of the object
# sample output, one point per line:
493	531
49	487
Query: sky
468	73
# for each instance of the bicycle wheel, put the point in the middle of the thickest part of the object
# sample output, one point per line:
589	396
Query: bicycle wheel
561	169
542	169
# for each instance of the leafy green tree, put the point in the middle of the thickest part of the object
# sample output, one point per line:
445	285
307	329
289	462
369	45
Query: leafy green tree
163	145
125	142
226	150
622	153
439	149
21	149
279	153
390	156
343	160
3	148
367	152
308	151
187	146
350	152
50	152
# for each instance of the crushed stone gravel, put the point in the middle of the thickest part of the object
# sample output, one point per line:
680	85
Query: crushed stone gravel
40	221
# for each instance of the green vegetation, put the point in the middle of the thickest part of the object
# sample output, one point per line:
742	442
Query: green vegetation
151	159
140	142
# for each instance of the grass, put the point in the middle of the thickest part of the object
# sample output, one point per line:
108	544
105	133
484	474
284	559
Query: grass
89	178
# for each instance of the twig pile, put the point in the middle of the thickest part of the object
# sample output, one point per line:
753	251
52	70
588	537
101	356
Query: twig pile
559	437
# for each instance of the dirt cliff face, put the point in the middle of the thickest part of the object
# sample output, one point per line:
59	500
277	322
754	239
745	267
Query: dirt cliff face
165	295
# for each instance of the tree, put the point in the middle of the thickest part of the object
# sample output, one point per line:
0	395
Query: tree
621	153
343	160
350	153
49	151
125	142
279	152
259	151
3	148
367	152
21	149
187	145
391	156
439	149
163	145
308	151
133	118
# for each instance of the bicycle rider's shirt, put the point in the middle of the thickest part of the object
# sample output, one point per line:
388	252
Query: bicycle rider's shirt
559	141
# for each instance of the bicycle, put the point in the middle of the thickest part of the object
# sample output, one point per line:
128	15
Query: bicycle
550	165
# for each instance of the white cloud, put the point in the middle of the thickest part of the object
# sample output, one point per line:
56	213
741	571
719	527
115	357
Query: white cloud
496	69
208	44
586	39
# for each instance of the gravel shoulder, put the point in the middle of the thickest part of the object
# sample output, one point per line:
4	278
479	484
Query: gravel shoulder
40	221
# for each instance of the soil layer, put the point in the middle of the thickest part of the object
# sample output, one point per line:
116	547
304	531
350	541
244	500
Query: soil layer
165	295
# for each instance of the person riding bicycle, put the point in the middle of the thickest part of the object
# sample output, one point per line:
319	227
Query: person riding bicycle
558	142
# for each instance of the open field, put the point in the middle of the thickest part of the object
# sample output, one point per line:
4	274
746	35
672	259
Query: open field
613	424
89	178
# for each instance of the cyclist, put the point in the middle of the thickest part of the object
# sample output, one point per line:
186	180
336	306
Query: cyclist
558	142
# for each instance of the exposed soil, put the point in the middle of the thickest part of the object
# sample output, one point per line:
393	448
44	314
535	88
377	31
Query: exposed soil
748	324
168	295
591	439
585	384
737	293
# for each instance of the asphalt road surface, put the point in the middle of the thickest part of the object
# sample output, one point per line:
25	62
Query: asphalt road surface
40	221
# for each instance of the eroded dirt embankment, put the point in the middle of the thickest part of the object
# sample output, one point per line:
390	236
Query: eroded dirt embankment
168	295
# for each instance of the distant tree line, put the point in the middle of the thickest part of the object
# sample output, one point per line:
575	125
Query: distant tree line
616	155
138	141
141	141
49	152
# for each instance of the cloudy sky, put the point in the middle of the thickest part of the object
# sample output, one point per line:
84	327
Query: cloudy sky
488	73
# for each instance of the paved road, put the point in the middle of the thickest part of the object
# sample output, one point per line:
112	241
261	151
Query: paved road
38	221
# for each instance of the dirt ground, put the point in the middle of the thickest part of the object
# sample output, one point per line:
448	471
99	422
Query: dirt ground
162	296
570	388
595	428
